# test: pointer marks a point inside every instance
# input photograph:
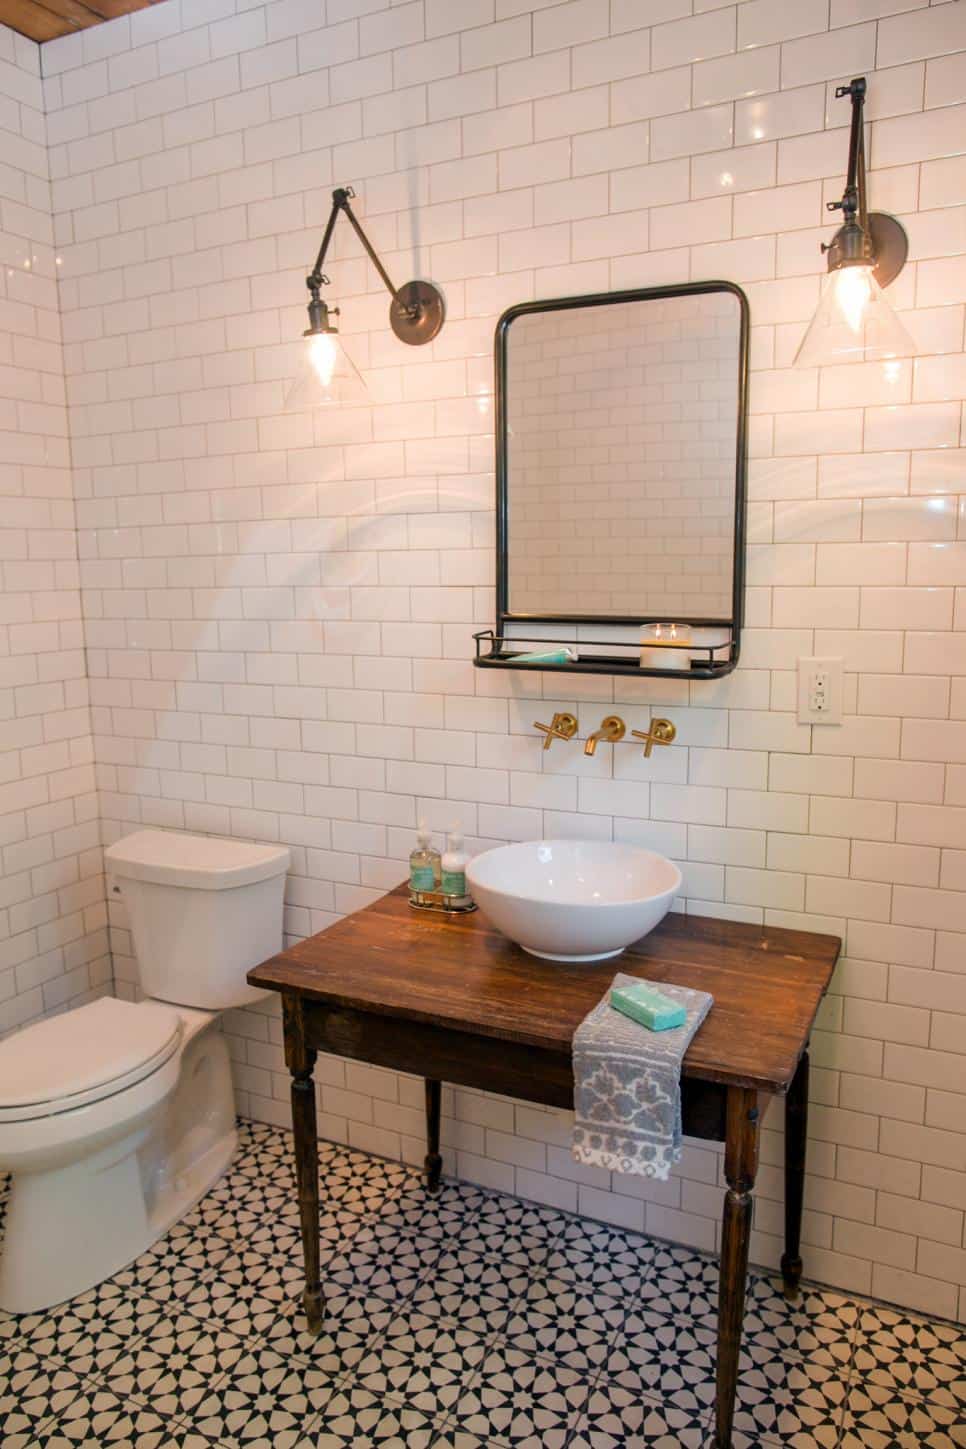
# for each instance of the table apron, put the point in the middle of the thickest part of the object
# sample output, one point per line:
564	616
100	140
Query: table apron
467	1059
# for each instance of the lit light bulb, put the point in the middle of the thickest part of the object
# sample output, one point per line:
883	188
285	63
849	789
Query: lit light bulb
853	323
853	287
323	352
326	375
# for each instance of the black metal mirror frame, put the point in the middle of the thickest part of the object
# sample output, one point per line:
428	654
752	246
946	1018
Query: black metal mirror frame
600	299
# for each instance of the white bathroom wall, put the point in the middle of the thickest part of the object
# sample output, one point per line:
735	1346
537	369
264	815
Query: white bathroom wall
279	609
53	936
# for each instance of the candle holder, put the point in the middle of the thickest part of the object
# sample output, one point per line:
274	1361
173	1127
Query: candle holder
666	646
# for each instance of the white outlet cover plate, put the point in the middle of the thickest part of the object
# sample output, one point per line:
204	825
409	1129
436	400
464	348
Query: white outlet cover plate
817	704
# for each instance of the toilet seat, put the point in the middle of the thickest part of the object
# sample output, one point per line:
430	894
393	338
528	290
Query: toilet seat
83	1056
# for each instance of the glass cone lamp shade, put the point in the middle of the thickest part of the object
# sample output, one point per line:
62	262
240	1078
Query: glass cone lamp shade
853	322
327	375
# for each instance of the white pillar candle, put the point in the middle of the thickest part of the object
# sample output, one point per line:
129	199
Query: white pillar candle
660	646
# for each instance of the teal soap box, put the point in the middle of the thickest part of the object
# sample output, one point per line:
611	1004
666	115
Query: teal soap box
645	1004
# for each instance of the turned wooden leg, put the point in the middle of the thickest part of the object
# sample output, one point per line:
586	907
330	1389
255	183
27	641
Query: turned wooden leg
300	1060
741	1166
796	1141
433	1163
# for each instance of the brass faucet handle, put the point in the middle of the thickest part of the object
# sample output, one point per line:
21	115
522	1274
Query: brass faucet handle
562	727
661	732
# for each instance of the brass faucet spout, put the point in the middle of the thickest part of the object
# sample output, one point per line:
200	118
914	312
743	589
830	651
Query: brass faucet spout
612	728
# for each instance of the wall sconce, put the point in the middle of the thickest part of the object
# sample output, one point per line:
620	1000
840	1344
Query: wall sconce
328	374
853	321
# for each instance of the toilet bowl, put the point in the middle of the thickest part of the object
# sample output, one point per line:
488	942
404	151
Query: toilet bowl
117	1116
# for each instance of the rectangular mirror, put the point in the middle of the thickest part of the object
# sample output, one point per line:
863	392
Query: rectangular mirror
621	458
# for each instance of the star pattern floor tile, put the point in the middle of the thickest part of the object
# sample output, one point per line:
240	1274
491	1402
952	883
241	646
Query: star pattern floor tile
518	1232
263	1399
354	1418
589	1255
879	1418
617	1417
173	1367
819	1326
476	1292
894	1351
469	1320
521	1400
350	1325
656	1356
680	1282
33	1389
422	1362
573	1325
791	1403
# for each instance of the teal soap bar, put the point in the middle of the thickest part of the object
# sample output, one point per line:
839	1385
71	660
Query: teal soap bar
644	1003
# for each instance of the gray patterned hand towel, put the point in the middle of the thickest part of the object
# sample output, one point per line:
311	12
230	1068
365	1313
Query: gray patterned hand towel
627	1085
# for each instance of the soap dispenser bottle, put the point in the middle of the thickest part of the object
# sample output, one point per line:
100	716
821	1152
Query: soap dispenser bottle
453	881
424	862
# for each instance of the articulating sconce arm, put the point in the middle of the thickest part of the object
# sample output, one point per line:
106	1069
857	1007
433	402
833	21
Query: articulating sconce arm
341	201
852	204
852	243
865	238
417	309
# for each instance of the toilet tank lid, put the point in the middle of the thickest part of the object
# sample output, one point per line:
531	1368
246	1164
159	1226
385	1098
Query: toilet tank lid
200	862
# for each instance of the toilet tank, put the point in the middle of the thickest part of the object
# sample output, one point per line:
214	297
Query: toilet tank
202	913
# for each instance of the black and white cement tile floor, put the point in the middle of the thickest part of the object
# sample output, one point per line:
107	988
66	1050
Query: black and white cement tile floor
467	1321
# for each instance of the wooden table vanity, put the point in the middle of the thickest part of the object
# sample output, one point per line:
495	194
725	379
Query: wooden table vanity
450	999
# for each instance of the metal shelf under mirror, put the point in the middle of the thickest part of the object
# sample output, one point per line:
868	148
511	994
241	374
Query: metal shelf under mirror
621	445
696	657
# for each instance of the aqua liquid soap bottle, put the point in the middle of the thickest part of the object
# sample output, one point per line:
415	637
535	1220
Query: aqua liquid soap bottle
424	862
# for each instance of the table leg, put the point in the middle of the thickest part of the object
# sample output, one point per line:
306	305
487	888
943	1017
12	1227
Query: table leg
300	1060
741	1166
433	1163
796	1141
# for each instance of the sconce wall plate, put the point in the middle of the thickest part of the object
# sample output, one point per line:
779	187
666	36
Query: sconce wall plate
416	312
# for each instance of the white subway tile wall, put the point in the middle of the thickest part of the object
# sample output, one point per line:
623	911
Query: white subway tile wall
53	921
278	608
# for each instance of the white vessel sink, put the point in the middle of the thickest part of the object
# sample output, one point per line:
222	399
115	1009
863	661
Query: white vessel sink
573	900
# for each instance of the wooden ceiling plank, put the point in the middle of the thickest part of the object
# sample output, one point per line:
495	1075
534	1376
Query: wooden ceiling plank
42	20
77	13
39	22
111	9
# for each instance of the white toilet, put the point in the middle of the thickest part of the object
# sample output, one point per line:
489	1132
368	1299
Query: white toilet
117	1116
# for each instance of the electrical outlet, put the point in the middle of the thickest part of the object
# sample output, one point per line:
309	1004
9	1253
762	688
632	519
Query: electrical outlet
820	691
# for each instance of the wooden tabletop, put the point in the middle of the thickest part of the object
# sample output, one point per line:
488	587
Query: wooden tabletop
461	973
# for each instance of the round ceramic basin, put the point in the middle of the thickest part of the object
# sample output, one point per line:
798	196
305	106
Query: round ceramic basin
573	900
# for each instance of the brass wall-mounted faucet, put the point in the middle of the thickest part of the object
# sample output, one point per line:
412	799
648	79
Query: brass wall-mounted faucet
661	732
563	726
612	728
